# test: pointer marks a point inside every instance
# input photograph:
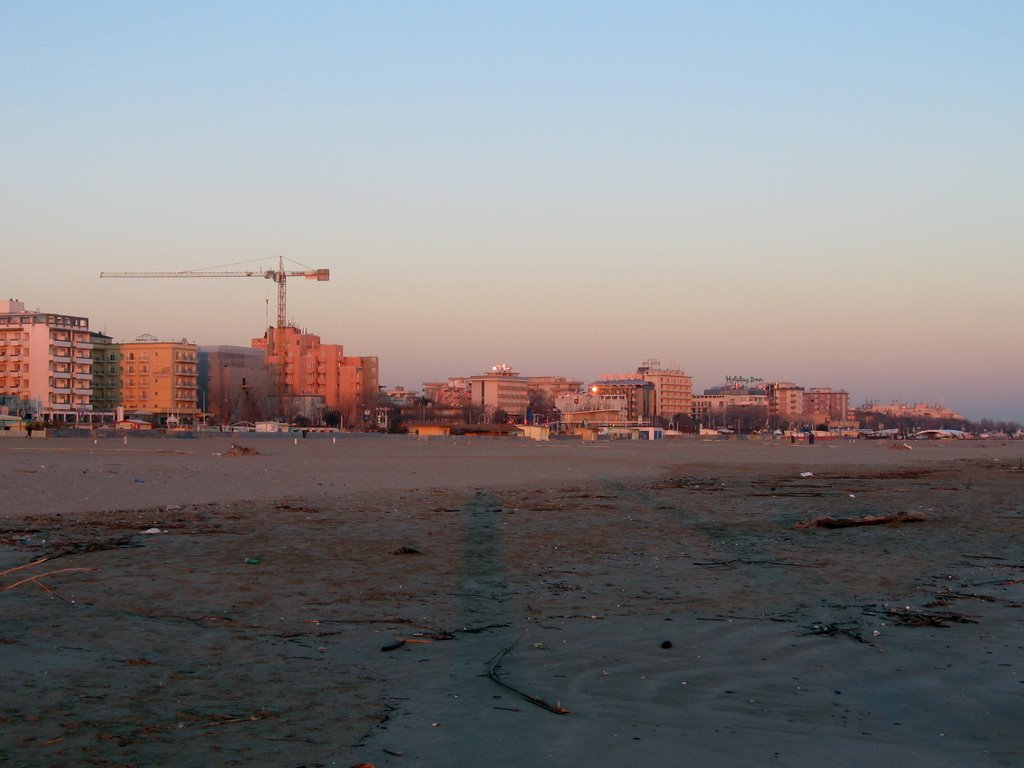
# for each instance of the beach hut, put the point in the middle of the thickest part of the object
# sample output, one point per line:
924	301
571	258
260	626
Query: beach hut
534	432
430	430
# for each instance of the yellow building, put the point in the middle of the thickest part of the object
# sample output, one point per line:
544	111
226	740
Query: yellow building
785	402
672	386
159	379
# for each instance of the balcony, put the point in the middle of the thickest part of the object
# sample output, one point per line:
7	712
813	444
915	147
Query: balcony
82	359
64	343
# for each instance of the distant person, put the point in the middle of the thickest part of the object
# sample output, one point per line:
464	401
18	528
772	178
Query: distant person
28	431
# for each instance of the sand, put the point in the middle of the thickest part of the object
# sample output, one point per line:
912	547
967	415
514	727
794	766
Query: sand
659	592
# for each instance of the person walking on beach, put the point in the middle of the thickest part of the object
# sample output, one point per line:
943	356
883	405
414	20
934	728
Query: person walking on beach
28	431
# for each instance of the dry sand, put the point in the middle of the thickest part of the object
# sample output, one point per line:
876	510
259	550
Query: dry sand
657	591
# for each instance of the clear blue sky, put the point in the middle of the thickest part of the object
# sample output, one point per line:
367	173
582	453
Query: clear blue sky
823	192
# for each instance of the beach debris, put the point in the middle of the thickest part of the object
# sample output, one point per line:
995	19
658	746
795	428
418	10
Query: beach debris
37	579
407	551
667	644
392	646
908	617
294	508
729	564
901	447
492	673
240	450
218	718
152	530
484	628
849	522
426	637
253	560
946	598
833	629
806	474
82	547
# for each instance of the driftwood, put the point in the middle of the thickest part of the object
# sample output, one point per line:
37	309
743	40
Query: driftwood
37	579
849	522
835	630
492	672
910	618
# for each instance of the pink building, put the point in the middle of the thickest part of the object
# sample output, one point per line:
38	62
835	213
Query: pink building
45	360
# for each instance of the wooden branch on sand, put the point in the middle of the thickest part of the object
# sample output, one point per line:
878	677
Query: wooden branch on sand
36	579
42	575
492	672
849	522
26	565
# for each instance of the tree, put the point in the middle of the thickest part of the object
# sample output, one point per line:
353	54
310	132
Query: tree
332	418
683	422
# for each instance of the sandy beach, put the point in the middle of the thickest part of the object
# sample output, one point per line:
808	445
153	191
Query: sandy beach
389	601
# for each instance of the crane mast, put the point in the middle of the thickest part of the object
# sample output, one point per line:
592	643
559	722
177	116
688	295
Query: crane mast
279	276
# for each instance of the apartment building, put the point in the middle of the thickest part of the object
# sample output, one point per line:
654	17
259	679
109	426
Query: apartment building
302	367
45	360
500	389
553	386
914	410
824	405
636	398
234	384
673	387
106	378
785	403
159	380
454	393
723	408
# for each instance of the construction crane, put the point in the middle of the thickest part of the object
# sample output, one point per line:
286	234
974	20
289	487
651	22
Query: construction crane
279	276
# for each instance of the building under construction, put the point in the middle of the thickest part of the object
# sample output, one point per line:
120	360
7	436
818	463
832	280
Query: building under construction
287	374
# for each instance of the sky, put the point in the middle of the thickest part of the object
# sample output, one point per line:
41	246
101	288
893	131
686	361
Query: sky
829	193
